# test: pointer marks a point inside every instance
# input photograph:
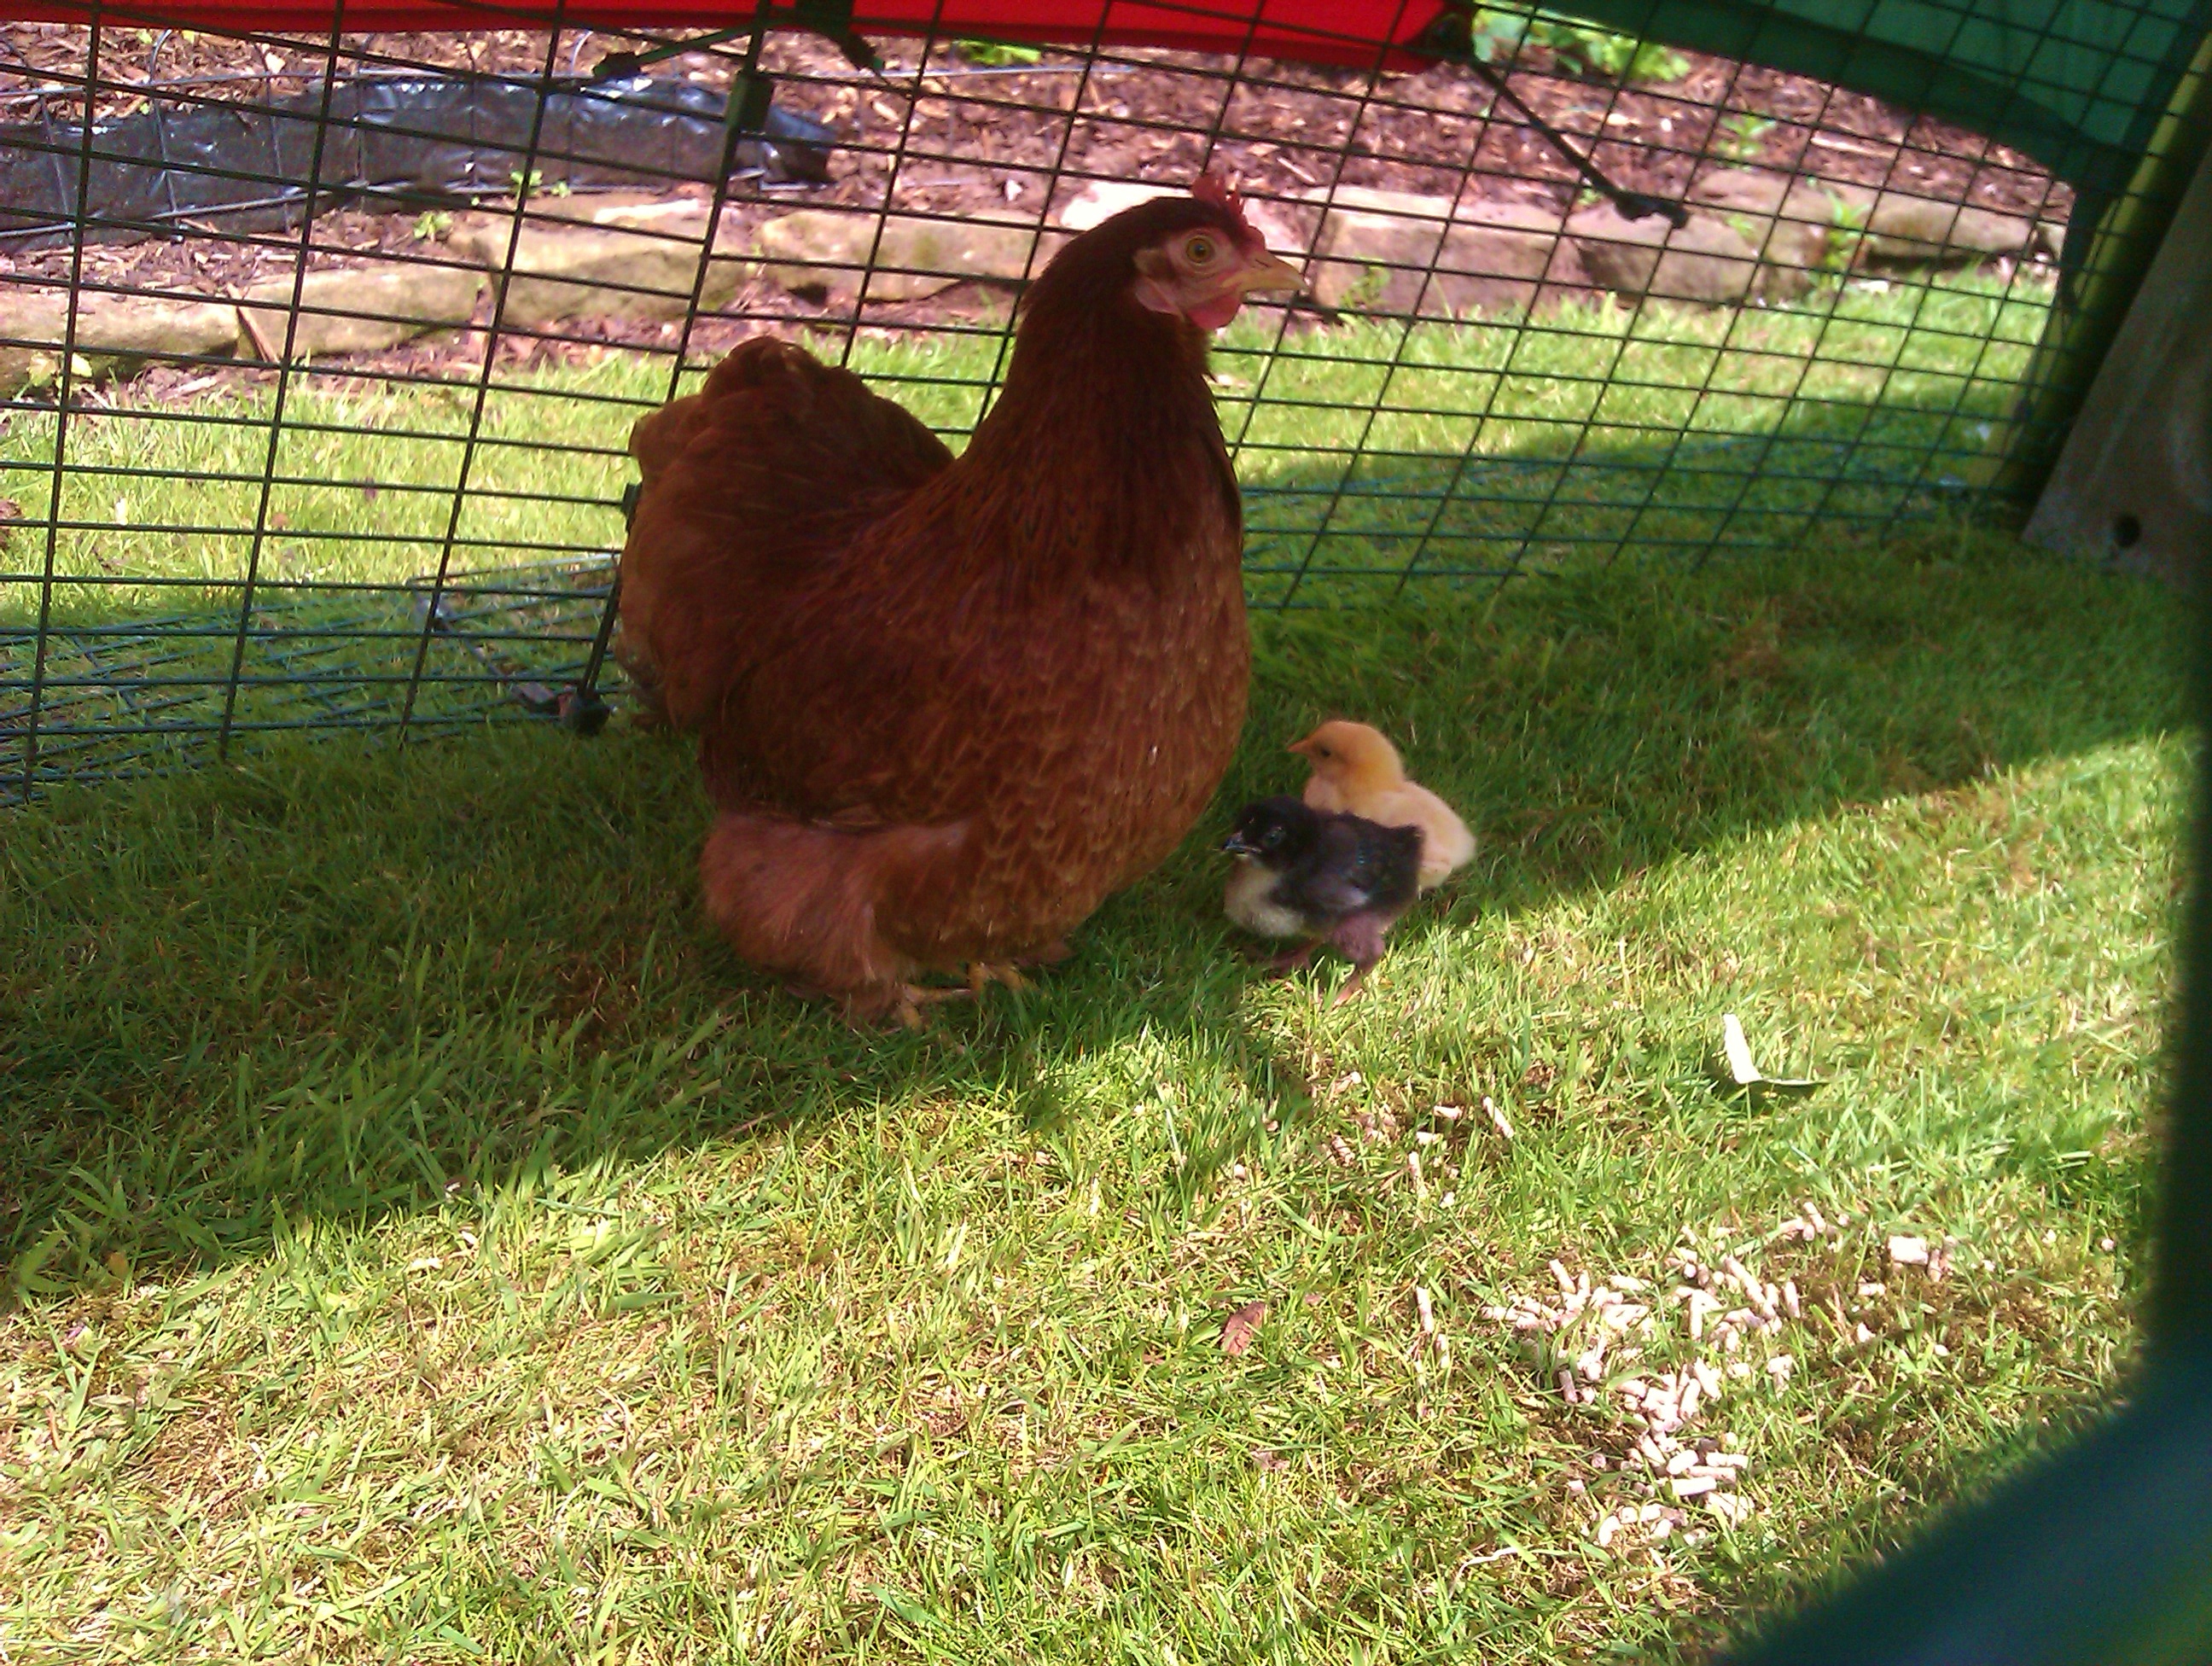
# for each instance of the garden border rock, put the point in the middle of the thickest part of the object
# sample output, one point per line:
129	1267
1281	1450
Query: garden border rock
1753	234
357	309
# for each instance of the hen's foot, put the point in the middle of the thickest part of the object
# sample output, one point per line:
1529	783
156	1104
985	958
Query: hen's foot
982	974
906	1005
647	708
870	1009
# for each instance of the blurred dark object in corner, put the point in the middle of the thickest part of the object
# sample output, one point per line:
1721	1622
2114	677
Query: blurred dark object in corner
2099	1554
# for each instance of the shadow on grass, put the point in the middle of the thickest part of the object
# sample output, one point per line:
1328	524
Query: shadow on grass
334	983
1668	444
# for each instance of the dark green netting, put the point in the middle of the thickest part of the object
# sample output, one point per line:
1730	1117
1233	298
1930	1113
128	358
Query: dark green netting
2110	95
2080	85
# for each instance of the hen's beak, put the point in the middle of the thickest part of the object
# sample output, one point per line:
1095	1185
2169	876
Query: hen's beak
1265	271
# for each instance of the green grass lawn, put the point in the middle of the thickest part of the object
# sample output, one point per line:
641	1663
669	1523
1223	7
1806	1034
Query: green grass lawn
427	1245
1371	451
1379	462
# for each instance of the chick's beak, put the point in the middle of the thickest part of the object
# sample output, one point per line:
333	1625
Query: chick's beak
1303	748
1266	271
1237	845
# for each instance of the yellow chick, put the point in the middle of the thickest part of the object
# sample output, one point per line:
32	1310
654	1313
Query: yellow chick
1356	769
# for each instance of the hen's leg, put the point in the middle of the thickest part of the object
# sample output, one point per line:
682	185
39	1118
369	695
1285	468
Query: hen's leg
647	709
984	973
867	1009
912	998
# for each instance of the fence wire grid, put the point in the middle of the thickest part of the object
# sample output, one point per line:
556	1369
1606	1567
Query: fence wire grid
318	354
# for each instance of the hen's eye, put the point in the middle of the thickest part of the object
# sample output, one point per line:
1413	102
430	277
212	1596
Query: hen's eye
1199	250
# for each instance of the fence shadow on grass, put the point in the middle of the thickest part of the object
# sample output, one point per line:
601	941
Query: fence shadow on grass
328	984
1380	460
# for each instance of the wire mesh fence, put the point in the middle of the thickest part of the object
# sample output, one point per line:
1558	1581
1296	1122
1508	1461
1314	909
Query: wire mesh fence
319	352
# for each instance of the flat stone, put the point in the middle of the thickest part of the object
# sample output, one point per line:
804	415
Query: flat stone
1373	248
1362	255
28	367
605	270
114	334
675	214
1747	190
1404	204
1394	252
1918	231
147	326
1797	226
357	311
1101	200
828	252
1707	260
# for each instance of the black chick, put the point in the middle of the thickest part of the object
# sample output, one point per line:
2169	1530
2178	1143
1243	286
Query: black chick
1321	877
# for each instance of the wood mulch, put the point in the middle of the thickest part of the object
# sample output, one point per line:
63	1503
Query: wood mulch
975	142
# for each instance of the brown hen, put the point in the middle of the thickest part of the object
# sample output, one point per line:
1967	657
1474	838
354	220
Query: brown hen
945	706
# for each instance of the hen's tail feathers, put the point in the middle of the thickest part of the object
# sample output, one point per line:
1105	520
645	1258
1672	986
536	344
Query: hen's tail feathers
659	439
806	901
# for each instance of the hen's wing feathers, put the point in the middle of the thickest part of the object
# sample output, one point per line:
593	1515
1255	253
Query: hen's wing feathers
657	440
756	482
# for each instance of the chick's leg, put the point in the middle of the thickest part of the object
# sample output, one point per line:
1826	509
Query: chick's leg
1283	963
1358	939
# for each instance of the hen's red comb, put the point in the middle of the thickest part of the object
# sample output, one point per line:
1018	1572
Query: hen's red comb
1211	187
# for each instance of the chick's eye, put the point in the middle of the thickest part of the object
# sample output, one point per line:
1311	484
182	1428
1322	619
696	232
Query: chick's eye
1199	250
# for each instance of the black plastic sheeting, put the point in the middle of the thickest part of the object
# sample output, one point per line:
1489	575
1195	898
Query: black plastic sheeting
412	139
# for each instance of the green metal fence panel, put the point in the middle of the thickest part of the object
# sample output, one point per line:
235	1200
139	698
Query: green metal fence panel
319	351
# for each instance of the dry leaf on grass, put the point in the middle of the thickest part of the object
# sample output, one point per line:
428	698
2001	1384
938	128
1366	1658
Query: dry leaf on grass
1239	1330
1745	1075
